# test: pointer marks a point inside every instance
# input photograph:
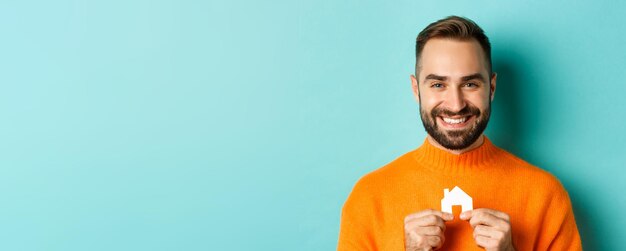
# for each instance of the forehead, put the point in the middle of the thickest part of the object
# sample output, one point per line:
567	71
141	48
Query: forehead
452	58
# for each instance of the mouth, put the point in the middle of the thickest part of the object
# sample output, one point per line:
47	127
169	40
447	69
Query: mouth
456	122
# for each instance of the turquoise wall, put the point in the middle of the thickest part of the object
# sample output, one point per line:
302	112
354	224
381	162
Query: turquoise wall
243	125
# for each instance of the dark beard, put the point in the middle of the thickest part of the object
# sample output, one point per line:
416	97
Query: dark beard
456	139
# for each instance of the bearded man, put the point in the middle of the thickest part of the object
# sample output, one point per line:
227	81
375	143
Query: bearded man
507	203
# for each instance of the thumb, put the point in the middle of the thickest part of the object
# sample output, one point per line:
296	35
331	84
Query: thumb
466	215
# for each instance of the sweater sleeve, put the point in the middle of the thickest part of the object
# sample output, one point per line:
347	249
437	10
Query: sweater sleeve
559	231
357	219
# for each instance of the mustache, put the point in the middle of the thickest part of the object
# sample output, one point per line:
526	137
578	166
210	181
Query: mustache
466	111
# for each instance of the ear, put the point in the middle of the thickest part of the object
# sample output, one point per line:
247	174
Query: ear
416	90
493	85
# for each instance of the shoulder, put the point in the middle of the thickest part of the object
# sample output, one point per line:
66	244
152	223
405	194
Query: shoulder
541	191
375	183
387	174
537	178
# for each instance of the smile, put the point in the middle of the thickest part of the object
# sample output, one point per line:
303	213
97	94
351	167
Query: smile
456	122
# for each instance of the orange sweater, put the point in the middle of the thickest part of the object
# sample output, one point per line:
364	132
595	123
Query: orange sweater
541	214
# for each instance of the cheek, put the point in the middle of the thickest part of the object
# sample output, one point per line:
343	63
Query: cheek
480	101
430	101
428	106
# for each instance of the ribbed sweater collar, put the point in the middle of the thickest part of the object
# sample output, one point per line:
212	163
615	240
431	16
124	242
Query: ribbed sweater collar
441	160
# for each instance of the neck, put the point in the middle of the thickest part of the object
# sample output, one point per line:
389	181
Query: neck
474	145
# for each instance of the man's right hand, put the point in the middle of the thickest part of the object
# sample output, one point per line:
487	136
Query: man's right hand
424	230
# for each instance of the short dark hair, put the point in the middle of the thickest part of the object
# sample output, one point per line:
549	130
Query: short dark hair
455	27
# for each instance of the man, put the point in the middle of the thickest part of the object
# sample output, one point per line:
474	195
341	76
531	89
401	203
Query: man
516	206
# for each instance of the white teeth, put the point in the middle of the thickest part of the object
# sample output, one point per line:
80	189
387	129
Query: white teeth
454	121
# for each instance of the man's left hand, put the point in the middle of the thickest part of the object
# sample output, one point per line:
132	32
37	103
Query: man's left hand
492	229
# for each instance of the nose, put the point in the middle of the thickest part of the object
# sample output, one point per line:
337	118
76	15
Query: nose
455	101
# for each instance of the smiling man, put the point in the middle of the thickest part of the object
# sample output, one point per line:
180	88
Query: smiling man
516	206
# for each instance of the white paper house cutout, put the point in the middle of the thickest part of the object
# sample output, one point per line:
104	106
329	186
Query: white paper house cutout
456	197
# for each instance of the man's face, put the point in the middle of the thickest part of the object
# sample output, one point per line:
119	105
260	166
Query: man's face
454	91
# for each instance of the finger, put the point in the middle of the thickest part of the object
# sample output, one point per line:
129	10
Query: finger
426	221
502	215
482	230
445	216
485	242
435	241
489	232
466	215
484	218
430	231
492	222
421	214
415	227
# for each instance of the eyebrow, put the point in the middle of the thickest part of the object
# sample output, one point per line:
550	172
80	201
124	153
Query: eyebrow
463	79
435	77
473	76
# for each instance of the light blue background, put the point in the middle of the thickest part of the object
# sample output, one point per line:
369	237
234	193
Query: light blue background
243	125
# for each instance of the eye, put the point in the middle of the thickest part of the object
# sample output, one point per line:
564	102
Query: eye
471	85
437	85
